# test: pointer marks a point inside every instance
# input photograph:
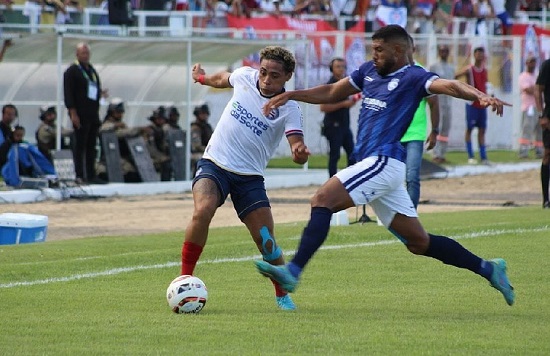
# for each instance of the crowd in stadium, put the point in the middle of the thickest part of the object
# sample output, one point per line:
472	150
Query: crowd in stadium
420	16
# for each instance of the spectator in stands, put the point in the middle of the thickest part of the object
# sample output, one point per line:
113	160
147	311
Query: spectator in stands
531	131
246	7
9	114
113	122
443	16
201	131
46	134
82	88
465	10
476	115
180	5
445	70
482	11
318	7
392	12
156	143
423	12
276	7
499	8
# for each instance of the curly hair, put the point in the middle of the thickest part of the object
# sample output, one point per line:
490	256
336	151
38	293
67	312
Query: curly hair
281	55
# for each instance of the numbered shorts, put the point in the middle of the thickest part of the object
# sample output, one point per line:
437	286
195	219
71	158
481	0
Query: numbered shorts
380	182
247	191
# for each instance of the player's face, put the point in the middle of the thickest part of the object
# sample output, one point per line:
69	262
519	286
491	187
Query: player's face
272	77
384	56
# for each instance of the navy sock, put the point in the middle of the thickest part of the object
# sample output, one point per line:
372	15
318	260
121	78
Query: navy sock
313	237
452	253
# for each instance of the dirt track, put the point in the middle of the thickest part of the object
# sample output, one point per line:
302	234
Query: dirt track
161	213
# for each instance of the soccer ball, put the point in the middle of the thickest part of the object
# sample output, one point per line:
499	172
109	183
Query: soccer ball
186	294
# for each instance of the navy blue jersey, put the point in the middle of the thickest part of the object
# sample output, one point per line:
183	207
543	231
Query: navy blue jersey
388	107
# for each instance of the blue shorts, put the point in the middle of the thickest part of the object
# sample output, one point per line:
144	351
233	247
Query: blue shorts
247	191
476	117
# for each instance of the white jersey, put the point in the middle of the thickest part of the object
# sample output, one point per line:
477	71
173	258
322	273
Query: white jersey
244	139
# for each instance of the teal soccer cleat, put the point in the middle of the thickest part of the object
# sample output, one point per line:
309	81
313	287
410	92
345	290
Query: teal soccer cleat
500	281
279	274
285	303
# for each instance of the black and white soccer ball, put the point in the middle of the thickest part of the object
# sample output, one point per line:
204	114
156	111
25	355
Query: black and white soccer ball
186	294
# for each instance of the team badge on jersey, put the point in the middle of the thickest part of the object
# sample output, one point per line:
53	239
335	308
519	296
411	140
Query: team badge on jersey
273	114
393	84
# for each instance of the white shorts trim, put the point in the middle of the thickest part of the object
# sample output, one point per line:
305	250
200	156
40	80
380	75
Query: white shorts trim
380	182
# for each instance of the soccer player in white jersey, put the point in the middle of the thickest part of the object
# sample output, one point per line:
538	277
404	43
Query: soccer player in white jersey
238	152
392	90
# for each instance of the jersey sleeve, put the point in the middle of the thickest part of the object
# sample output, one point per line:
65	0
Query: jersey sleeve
294	124
236	75
356	78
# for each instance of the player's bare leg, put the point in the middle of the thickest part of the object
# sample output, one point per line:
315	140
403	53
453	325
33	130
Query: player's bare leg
206	197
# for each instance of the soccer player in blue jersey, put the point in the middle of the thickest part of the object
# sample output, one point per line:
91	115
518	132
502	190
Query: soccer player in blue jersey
392	90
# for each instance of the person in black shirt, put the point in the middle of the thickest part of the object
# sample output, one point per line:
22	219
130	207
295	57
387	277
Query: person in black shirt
542	98
82	88
336	122
9	114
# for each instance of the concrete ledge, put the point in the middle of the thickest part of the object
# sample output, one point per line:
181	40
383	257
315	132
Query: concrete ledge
274	179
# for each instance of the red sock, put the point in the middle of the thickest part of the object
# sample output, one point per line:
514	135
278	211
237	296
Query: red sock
190	254
279	292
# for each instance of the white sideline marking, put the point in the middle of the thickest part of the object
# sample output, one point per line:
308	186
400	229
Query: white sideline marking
116	271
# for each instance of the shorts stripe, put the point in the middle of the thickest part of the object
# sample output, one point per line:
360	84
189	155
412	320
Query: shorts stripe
367	174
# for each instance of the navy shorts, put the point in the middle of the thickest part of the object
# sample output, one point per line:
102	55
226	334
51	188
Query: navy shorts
247	191
476	117
546	138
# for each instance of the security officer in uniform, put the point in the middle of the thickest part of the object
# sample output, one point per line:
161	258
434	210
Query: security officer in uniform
113	122
336	125
201	131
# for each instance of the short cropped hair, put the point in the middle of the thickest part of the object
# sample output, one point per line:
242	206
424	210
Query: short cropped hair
279	54
391	33
479	49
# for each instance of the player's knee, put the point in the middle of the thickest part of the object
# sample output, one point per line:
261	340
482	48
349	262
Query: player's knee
203	213
418	245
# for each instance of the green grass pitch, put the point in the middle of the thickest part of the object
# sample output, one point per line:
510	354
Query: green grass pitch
363	294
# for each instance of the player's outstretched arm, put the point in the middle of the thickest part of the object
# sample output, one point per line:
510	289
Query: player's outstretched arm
465	91
217	80
321	94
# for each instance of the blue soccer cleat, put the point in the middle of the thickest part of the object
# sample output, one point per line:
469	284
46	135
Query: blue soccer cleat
285	303
500	281
279	274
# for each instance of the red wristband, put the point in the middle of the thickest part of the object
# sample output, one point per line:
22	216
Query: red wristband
201	79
